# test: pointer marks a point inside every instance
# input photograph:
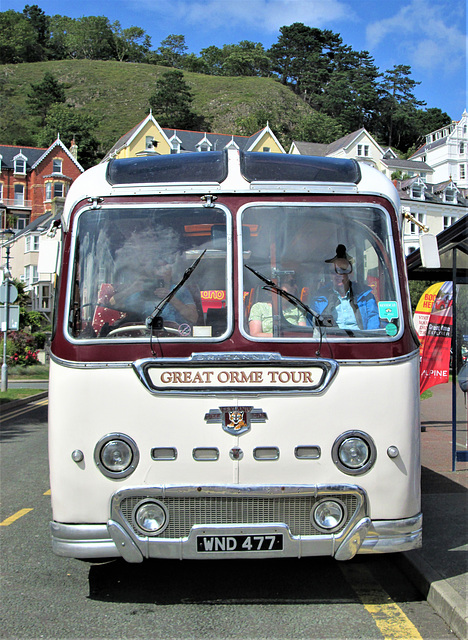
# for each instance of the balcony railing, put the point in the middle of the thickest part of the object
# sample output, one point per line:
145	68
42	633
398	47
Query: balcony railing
16	204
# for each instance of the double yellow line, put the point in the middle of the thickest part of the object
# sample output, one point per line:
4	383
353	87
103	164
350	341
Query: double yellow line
19	411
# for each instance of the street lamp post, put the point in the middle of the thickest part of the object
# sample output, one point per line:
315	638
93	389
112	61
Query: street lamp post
7	235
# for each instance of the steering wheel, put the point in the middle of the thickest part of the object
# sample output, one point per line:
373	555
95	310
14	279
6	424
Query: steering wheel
134	327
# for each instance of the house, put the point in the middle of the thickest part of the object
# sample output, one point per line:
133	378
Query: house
32	179
446	151
34	253
148	137
436	207
360	145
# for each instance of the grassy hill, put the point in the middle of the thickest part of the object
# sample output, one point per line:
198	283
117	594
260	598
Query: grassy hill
117	94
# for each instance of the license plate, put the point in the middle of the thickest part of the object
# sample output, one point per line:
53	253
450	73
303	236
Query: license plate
214	544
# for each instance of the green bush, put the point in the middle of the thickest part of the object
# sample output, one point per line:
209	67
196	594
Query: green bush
21	349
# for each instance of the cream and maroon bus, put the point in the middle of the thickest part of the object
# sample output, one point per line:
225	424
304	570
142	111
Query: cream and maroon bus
234	371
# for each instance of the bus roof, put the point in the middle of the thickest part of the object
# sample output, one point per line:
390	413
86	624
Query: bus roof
228	171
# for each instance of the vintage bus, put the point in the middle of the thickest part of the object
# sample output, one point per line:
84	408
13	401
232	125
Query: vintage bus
234	370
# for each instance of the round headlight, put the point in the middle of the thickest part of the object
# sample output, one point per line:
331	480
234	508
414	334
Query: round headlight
151	517
329	514
354	452
116	455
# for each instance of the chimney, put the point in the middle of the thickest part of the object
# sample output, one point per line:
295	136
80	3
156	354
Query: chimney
74	149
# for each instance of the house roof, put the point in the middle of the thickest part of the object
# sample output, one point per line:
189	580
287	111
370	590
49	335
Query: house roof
316	149
9	152
34	155
398	163
189	140
58	143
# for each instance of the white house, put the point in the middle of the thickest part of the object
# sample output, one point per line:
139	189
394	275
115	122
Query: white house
446	151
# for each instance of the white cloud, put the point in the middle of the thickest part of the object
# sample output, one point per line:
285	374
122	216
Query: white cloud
426	33
265	15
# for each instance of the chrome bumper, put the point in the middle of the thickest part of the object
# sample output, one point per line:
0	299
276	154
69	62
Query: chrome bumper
118	539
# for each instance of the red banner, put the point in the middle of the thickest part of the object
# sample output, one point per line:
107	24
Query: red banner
435	361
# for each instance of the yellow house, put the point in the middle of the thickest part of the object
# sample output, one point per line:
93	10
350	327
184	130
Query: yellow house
148	138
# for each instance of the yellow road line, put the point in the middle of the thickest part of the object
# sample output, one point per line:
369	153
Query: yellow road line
16	516
21	410
47	493
390	619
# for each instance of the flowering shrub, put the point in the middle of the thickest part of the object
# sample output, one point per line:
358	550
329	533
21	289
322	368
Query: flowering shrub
21	349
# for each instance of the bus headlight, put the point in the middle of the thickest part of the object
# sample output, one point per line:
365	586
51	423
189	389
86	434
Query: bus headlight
116	455
328	515
354	452
151	517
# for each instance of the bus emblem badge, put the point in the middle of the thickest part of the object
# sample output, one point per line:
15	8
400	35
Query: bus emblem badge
235	420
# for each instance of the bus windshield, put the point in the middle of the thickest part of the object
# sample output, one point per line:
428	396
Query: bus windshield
127	262
335	260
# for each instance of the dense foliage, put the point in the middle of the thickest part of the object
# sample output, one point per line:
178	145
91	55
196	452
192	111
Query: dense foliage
343	87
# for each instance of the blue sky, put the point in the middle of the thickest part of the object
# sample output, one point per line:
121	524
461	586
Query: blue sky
428	35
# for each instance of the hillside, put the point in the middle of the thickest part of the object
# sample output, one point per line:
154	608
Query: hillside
117	94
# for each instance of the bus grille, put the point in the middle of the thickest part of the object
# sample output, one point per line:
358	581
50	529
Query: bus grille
185	512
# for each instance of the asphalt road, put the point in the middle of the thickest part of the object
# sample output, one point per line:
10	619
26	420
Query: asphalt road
44	596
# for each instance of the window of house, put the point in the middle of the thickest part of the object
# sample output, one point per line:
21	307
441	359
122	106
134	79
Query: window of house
19	194
417	191
30	274
149	142
48	190
462	147
204	146
20	165
57	165
414	228
32	243
1	191
175	145
58	190
266	149
450	195
462	172
448	221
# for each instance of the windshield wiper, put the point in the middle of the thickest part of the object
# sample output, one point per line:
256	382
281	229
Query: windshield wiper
296	302
151	319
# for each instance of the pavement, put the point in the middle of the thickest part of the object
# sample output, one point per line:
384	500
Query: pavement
440	568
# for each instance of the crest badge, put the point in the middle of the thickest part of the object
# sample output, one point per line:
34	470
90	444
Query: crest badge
235	420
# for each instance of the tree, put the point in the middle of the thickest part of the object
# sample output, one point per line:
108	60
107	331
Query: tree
171	103
318	127
70	123
132	44
303	58
43	95
18	39
40	23
89	37
399	103
246	59
352	90
172	50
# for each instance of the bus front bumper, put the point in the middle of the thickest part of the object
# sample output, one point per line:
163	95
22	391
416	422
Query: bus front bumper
111	540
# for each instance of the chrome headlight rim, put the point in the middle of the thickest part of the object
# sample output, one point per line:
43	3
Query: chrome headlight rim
320	504
370	460
142	531
133	463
